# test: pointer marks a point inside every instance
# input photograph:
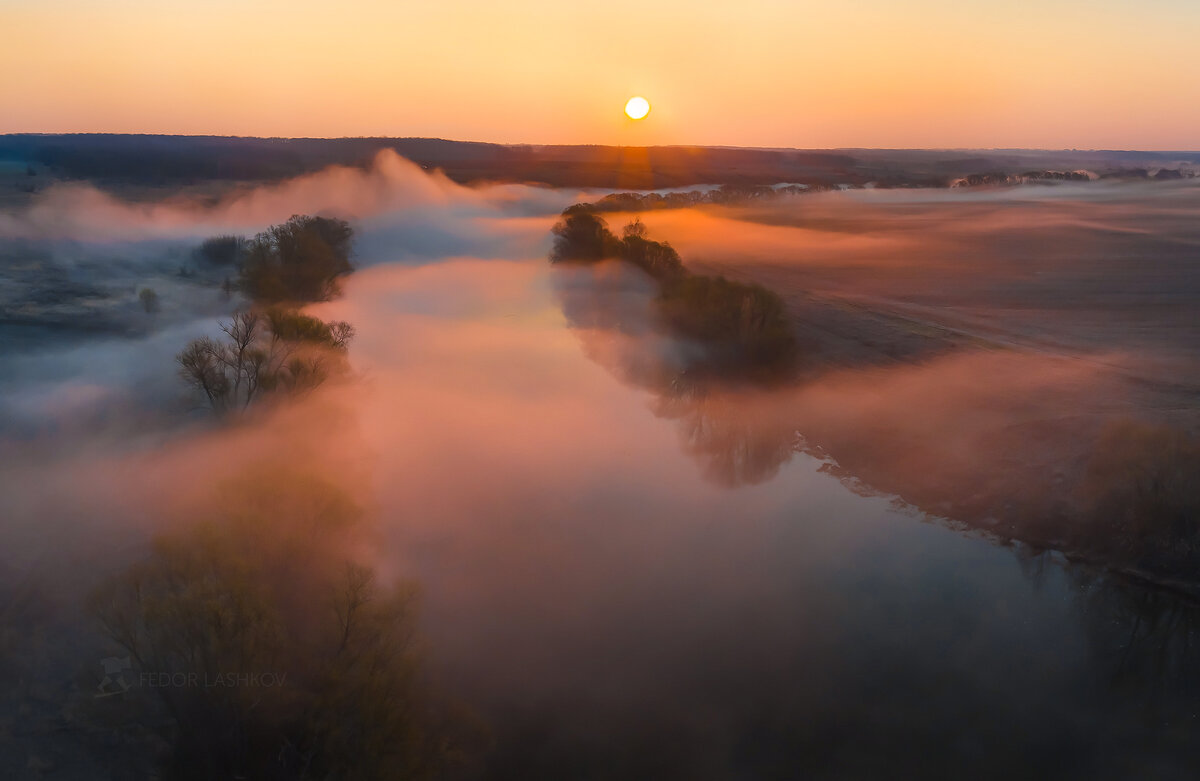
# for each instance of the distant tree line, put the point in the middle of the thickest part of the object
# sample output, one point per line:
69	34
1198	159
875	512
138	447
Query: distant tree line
151	159
726	194
1001	178
743	327
161	160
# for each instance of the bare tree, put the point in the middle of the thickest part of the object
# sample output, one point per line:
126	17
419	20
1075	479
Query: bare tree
276	351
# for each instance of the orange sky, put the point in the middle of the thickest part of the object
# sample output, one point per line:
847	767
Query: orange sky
877	73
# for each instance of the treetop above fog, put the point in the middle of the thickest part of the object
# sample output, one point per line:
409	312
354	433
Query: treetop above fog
298	261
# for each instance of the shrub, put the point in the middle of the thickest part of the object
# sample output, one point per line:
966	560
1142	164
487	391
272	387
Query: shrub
149	300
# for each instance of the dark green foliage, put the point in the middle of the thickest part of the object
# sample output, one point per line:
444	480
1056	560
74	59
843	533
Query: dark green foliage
743	328
657	258
582	236
222	250
298	261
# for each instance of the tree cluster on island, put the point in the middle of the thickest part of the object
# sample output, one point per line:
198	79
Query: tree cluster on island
276	350
272	348
743	328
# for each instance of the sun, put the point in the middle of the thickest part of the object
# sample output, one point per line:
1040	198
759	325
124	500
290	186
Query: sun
637	108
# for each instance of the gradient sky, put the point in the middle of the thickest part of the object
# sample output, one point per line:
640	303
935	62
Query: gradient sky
871	73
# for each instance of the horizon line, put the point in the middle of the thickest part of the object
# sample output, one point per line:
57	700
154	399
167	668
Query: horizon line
617	146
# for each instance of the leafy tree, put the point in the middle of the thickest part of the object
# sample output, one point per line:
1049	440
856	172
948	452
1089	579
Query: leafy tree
657	258
266	586
581	235
744	327
298	261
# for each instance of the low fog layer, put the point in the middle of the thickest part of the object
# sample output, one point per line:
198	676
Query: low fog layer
1023	360
77	265
391	186
75	259
1076	270
607	556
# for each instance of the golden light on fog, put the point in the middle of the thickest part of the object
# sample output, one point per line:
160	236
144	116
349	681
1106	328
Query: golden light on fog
637	107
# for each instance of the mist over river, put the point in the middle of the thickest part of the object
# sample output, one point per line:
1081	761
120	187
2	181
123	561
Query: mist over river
615	576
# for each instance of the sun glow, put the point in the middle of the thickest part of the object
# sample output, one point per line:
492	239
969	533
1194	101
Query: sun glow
637	108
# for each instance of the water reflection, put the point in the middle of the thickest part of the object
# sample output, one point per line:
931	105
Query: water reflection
610	307
1144	635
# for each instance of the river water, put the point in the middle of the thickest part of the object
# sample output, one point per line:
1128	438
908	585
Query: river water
616	610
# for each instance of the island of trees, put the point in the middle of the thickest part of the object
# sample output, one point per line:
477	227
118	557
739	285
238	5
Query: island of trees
272	348
743	328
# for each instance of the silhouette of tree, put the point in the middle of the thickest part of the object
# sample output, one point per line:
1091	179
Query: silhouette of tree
278	350
743	329
272	654
581	235
300	260
222	250
149	300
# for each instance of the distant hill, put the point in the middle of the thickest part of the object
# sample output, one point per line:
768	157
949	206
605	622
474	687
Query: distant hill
171	160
